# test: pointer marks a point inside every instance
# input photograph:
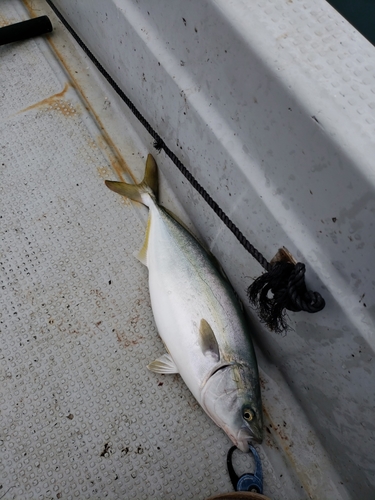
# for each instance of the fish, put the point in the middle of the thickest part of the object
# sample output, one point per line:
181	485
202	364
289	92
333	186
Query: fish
199	318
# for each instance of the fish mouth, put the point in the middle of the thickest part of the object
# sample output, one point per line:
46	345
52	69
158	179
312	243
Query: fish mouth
241	439
257	439
256	434
244	437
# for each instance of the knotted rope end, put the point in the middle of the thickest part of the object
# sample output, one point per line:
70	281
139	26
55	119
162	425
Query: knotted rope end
283	288
158	144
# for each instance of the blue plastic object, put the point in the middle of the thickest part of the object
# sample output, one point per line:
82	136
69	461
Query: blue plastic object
248	481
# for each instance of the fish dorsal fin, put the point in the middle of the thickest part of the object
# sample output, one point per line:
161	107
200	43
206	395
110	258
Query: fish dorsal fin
141	255
208	340
164	364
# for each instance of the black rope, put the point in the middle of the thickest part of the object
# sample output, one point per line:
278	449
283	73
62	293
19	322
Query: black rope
159	144
286	284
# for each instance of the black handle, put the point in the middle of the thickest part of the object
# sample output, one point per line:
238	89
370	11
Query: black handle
25	29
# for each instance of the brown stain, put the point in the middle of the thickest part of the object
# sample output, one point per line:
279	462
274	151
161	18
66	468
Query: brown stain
6	21
262	383
56	101
125	341
104	172
118	163
134	320
193	405
131	335
286	444
278	429
114	158
29	6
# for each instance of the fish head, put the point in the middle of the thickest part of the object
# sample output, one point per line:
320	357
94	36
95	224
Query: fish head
231	397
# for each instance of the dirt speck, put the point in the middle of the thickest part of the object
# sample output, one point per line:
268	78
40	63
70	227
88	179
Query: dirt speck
126	341
107	450
262	383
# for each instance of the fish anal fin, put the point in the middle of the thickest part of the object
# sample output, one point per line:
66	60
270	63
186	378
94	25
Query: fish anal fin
141	255
164	364
208	340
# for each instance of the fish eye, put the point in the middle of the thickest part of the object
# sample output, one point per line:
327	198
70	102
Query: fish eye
248	415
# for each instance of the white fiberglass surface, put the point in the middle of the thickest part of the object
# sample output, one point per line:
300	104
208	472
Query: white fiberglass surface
80	414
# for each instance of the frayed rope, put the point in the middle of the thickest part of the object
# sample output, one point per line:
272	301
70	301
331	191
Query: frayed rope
159	144
286	282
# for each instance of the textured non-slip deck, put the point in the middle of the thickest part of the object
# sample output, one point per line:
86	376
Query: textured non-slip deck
80	415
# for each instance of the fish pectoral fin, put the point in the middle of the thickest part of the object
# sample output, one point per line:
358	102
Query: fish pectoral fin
207	340
164	364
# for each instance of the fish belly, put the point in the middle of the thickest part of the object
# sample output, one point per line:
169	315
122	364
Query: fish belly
180	296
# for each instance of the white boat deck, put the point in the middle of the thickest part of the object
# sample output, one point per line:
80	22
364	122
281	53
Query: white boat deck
80	414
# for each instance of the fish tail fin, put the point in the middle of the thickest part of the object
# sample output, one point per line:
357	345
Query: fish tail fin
137	192
151	176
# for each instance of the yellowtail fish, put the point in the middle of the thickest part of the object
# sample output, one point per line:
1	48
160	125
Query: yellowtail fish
199	319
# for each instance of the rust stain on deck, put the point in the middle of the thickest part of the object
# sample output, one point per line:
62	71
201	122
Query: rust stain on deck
56	101
118	163
7	21
277	434
125	340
